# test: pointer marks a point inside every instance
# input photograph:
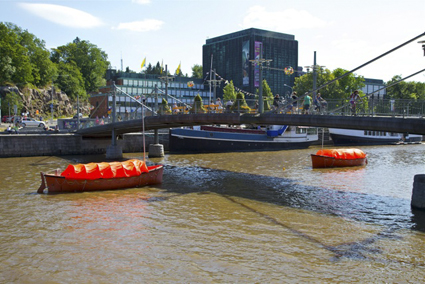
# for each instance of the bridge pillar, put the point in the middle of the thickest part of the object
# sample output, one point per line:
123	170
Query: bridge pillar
114	152
418	192
156	150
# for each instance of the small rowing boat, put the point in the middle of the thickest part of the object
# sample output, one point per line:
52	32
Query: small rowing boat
330	158
101	176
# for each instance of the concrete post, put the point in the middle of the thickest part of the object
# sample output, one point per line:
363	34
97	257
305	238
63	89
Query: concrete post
114	151
156	149
418	192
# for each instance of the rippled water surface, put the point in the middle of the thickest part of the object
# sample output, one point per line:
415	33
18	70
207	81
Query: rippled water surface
264	217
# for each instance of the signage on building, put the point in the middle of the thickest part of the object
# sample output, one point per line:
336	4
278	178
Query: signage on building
245	63
257	49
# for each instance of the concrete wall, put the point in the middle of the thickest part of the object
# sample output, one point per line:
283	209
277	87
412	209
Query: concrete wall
26	145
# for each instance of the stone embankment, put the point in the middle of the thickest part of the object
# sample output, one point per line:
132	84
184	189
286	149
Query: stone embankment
46	143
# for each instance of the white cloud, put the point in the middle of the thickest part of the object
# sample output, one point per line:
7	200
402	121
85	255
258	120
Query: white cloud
141	26
141	2
63	15
289	19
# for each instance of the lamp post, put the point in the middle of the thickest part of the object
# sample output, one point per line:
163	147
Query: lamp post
53	90
51	104
423	45
292	90
259	62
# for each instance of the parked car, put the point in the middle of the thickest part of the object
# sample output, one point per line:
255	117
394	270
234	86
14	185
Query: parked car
7	118
32	122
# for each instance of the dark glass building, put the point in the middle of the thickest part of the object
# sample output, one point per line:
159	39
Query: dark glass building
231	54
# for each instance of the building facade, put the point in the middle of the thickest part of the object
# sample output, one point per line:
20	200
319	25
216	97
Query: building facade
134	88
373	85
230	55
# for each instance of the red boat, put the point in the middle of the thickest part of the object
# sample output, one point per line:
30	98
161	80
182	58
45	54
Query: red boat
101	176
330	158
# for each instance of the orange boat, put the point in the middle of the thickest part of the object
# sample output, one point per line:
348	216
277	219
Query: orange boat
101	176
330	158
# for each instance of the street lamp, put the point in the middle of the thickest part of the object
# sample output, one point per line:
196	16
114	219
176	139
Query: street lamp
292	90
423	45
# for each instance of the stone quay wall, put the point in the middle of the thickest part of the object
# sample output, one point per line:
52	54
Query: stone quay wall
27	145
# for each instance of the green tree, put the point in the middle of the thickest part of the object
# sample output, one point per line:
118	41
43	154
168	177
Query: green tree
405	90
164	108
198	106
155	70
340	89
15	65
267	96
229	92
197	71
240	103
10	100
89	59
70	80
42	68
128	70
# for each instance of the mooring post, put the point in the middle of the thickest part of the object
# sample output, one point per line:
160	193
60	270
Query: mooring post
418	192
156	149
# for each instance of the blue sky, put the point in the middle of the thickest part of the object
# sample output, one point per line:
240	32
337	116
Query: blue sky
344	34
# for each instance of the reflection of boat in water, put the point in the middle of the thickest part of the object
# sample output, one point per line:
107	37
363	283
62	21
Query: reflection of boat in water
370	137
101	176
230	139
331	158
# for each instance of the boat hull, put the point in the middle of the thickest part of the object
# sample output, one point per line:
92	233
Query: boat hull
345	137
58	184
319	161
204	141
346	140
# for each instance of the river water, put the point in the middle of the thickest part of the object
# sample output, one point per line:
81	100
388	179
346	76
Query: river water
263	217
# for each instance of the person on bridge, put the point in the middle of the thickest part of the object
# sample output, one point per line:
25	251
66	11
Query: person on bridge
306	103
320	103
276	102
294	98
354	97
219	105
229	105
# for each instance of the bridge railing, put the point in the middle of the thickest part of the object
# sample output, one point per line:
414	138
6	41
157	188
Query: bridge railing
367	107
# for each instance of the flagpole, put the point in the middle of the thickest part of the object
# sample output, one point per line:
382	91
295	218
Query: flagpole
210	77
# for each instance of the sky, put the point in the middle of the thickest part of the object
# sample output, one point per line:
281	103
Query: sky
344	34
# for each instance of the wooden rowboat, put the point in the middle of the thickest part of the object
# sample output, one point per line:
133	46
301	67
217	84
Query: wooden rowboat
58	183
331	158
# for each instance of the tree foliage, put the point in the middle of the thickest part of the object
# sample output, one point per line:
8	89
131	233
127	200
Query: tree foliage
405	90
15	64
91	61
156	70
340	89
197	71
267	95
229	92
70	80
198	106
9	101
240	103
